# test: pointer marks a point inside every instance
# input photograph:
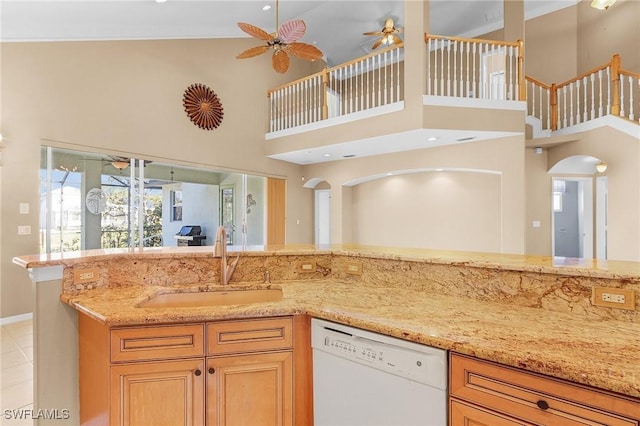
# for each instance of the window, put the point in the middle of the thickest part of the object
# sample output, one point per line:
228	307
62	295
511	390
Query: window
176	205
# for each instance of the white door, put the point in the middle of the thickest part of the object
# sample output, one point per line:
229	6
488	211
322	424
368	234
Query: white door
323	216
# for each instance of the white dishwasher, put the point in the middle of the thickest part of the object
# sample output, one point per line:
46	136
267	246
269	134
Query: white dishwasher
365	378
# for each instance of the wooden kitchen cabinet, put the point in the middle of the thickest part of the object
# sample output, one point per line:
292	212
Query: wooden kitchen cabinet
158	393
250	390
486	393
218	373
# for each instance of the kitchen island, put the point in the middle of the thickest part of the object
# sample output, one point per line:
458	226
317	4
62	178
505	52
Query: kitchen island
527	312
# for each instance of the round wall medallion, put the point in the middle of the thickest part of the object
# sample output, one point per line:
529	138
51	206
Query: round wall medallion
203	106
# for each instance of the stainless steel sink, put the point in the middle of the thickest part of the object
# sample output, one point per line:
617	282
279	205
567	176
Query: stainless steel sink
212	298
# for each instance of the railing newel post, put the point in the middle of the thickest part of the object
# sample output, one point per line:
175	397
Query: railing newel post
615	80
522	86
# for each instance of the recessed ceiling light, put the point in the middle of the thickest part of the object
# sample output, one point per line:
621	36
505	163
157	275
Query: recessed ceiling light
432	139
266	7
389	174
160	1
327	155
439	170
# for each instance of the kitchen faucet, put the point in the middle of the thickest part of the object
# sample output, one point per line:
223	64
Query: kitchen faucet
220	250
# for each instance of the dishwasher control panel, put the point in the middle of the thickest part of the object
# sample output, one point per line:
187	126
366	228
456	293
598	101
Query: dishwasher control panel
413	361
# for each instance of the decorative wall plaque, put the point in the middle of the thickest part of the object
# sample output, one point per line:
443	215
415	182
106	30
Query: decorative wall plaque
203	106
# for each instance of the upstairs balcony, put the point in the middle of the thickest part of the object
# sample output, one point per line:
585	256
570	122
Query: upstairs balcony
472	90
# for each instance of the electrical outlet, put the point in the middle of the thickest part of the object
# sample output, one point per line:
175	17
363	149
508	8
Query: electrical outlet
24	230
614	298
306	266
81	276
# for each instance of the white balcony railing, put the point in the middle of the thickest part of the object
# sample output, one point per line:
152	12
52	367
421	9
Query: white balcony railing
474	68
604	90
369	82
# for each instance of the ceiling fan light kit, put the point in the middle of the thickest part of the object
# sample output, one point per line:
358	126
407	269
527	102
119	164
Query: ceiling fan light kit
388	34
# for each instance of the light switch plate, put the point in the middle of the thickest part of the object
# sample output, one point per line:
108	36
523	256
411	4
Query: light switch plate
24	230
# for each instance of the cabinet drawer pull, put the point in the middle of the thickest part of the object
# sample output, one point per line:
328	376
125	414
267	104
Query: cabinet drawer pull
212	370
197	372
542	404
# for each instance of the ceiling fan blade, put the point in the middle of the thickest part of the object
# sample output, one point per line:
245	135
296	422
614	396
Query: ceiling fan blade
254	51
376	44
304	51
254	31
396	39
292	30
280	61
373	33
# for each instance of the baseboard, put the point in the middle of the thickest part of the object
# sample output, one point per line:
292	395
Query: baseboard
16	318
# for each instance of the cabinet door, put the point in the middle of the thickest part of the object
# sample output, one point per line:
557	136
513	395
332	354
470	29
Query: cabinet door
158	393
461	414
250	390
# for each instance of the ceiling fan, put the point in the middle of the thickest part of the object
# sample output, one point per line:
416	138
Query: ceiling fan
283	42
389	34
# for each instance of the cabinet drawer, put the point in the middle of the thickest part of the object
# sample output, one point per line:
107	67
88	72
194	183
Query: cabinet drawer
249	335
536	398
157	342
463	414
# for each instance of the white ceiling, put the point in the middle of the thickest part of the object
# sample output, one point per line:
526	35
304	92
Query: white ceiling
335	26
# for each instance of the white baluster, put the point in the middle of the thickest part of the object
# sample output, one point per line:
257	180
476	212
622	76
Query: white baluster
474	75
608	90
510	83
585	109
599	93
564	112
631	114
386	66
621	95
399	95
577	101
455	62
368	82
593	96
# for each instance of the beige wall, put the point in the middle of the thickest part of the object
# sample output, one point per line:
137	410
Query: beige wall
621	152
439	205
603	33
505	156
126	97
551	46
538	204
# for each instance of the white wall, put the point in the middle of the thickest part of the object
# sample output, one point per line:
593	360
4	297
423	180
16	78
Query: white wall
200	206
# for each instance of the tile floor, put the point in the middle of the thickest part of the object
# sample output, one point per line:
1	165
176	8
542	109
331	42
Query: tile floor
16	375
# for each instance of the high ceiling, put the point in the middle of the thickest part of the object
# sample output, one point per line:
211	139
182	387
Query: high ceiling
335	26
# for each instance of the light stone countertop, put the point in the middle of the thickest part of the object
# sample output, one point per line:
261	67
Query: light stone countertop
512	262
603	354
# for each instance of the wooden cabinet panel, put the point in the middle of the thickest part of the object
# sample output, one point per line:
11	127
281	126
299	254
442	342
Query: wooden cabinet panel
536	398
249	336
461	414
158	393
157	342
250	390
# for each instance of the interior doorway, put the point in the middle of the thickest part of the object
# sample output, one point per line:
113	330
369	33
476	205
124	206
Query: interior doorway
323	216
573	217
